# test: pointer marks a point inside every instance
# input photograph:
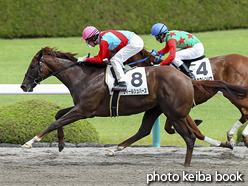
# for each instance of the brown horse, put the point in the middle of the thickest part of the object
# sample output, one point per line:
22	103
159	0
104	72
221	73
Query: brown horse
232	68
91	95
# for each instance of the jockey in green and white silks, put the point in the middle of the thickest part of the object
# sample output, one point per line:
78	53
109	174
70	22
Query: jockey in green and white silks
189	47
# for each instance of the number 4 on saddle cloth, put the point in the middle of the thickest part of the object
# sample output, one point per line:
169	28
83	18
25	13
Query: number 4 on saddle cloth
201	68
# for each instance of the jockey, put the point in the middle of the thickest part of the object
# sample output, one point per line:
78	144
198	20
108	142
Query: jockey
189	47
128	44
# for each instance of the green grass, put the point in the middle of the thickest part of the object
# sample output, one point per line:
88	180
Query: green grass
218	113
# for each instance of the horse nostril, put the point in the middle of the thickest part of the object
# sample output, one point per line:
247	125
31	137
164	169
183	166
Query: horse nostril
23	87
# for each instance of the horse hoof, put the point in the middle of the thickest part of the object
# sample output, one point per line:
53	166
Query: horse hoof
198	121
110	153
230	144
186	165
246	144
61	147
120	148
26	146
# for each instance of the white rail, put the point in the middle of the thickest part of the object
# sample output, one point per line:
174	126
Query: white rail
42	89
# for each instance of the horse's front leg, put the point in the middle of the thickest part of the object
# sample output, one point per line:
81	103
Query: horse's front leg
61	143
230	141
149	118
73	115
59	114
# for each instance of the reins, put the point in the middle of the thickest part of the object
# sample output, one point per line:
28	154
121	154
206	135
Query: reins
155	60
55	73
39	79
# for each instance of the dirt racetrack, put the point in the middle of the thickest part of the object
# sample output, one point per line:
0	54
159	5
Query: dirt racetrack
132	166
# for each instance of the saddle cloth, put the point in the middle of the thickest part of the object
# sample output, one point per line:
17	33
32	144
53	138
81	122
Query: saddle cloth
202	69
135	80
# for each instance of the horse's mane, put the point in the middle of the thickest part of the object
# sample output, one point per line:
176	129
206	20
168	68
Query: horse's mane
144	52
53	52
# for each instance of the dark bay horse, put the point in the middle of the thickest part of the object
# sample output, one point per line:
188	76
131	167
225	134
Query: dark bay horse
91	96
231	68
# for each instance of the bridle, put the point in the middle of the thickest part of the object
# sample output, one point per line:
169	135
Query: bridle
40	69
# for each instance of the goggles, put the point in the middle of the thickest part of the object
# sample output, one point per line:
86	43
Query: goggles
87	41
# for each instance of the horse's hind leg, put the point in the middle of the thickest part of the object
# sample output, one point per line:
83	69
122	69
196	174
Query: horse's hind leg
149	118
59	114
183	129
168	126
191	123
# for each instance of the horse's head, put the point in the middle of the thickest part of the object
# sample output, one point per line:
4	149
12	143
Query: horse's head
35	73
42	67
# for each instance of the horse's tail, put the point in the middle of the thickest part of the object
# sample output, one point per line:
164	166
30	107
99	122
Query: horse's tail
230	90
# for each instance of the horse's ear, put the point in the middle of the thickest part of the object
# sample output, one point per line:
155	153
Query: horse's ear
40	53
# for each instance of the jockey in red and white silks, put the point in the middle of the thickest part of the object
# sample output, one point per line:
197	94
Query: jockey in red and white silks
127	43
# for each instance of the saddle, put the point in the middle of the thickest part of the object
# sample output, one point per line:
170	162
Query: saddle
200	67
187	62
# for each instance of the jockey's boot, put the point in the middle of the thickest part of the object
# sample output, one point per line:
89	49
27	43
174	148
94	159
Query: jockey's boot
183	68
121	86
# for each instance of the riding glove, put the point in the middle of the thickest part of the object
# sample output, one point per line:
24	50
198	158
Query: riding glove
82	59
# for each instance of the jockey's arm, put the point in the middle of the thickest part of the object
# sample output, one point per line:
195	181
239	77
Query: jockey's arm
103	53
171	46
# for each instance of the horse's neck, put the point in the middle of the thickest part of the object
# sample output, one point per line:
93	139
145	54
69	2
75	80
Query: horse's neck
71	76
141	55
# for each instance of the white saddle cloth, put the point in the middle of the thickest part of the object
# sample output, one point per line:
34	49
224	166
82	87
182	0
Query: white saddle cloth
135	80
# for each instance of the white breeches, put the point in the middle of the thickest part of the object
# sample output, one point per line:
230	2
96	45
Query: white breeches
189	53
134	46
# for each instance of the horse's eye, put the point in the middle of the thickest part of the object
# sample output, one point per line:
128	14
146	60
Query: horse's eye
32	67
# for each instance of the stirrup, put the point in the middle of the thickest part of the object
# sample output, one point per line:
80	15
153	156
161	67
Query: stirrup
120	87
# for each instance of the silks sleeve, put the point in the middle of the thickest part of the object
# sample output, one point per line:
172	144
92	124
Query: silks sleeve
171	47
103	53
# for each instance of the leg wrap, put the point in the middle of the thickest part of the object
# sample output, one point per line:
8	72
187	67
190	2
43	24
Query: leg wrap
233	129
35	139
212	142
245	132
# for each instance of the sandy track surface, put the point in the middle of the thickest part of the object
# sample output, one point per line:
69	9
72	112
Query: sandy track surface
132	166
